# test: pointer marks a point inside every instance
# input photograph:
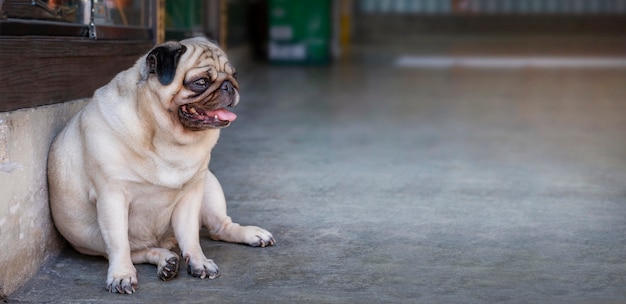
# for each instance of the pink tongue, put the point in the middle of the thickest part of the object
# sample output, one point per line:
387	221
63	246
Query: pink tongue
222	114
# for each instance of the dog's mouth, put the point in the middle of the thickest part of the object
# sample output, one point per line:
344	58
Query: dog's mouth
195	117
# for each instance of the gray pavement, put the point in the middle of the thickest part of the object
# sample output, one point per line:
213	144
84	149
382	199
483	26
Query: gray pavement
391	185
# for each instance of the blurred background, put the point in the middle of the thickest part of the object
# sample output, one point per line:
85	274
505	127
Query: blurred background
309	31
318	32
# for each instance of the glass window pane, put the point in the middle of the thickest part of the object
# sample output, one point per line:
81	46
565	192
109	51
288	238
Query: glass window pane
122	12
97	19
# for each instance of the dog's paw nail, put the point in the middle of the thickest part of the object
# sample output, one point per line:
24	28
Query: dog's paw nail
168	269
129	290
264	241
123	285
203	270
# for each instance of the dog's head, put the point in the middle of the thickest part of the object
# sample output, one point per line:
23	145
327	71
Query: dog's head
196	82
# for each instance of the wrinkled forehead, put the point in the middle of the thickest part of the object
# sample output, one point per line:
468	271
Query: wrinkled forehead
206	55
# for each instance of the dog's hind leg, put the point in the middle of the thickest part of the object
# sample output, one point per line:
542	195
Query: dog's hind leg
220	225
166	261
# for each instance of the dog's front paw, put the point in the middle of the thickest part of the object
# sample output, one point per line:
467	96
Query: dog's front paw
122	282
202	268
257	237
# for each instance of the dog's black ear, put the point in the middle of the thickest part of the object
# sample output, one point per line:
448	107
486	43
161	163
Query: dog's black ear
163	61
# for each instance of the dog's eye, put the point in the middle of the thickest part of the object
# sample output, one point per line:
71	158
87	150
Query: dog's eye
201	82
199	85
235	75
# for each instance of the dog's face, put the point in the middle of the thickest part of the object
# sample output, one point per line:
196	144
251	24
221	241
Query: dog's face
197	80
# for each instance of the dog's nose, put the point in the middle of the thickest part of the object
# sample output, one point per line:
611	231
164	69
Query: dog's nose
227	86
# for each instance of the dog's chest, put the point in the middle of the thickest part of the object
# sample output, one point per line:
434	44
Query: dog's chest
174	177
170	171
174	167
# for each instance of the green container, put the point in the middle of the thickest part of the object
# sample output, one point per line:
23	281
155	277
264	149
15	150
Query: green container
299	31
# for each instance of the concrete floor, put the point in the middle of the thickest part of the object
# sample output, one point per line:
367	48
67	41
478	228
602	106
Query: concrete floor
407	185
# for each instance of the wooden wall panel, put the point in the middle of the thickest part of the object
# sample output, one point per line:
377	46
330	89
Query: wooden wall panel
39	71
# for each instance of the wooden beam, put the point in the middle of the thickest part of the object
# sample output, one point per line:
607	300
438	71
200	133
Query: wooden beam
40	71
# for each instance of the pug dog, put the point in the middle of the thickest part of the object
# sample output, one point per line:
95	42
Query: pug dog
128	176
